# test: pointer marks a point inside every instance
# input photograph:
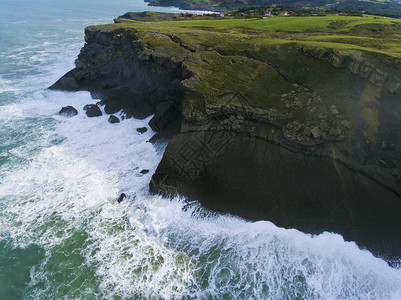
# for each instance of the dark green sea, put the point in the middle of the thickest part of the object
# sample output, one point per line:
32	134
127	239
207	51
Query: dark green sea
63	235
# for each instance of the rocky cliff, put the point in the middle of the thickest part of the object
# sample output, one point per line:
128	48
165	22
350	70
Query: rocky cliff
111	66
303	136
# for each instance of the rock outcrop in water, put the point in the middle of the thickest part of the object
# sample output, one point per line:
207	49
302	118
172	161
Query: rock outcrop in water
92	110
68	111
305	137
113	119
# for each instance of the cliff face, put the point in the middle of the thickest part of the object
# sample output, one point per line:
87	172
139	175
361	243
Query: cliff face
111	66
305	137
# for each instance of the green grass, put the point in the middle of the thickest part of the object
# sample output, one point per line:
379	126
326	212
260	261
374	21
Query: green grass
394	46
240	76
366	33
253	38
290	24
340	38
254	62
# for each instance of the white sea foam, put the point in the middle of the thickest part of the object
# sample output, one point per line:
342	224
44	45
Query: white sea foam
73	185
62	198
240	259
159	248
6	86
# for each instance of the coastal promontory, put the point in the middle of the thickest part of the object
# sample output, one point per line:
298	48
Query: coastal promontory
292	120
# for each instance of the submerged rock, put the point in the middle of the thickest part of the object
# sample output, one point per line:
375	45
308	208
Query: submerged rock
121	197
68	111
92	110
142	130
114	119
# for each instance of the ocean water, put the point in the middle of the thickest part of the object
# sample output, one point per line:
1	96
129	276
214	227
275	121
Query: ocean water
63	235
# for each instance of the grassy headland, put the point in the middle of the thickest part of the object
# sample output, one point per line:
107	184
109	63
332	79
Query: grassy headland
297	108
250	60
367	33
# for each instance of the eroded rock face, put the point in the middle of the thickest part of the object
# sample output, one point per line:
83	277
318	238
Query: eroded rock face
386	74
306	138
165	113
259	180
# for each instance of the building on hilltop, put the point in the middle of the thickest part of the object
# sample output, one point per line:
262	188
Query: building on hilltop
267	13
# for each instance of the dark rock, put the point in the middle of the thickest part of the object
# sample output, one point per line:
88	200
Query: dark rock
121	198
165	112
111	106
114	119
363	160
109	84
67	82
122	94
168	132
142	111
144	171
316	133
142	130
132	15
145	16
68	111
221	170
92	110
382	163
128	115
308	131
397	175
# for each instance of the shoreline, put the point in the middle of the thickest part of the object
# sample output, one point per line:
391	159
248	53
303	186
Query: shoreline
185	6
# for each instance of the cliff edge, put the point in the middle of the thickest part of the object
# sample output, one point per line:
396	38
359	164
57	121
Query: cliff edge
264	126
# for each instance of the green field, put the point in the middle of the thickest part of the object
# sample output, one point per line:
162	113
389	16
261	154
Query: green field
367	33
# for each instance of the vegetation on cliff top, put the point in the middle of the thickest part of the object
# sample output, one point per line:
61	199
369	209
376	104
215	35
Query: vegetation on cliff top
257	63
391	8
367	33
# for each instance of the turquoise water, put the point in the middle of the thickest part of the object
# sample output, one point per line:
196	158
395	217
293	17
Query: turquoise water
62	234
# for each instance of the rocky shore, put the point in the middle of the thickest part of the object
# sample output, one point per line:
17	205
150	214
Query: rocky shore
305	137
188	5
